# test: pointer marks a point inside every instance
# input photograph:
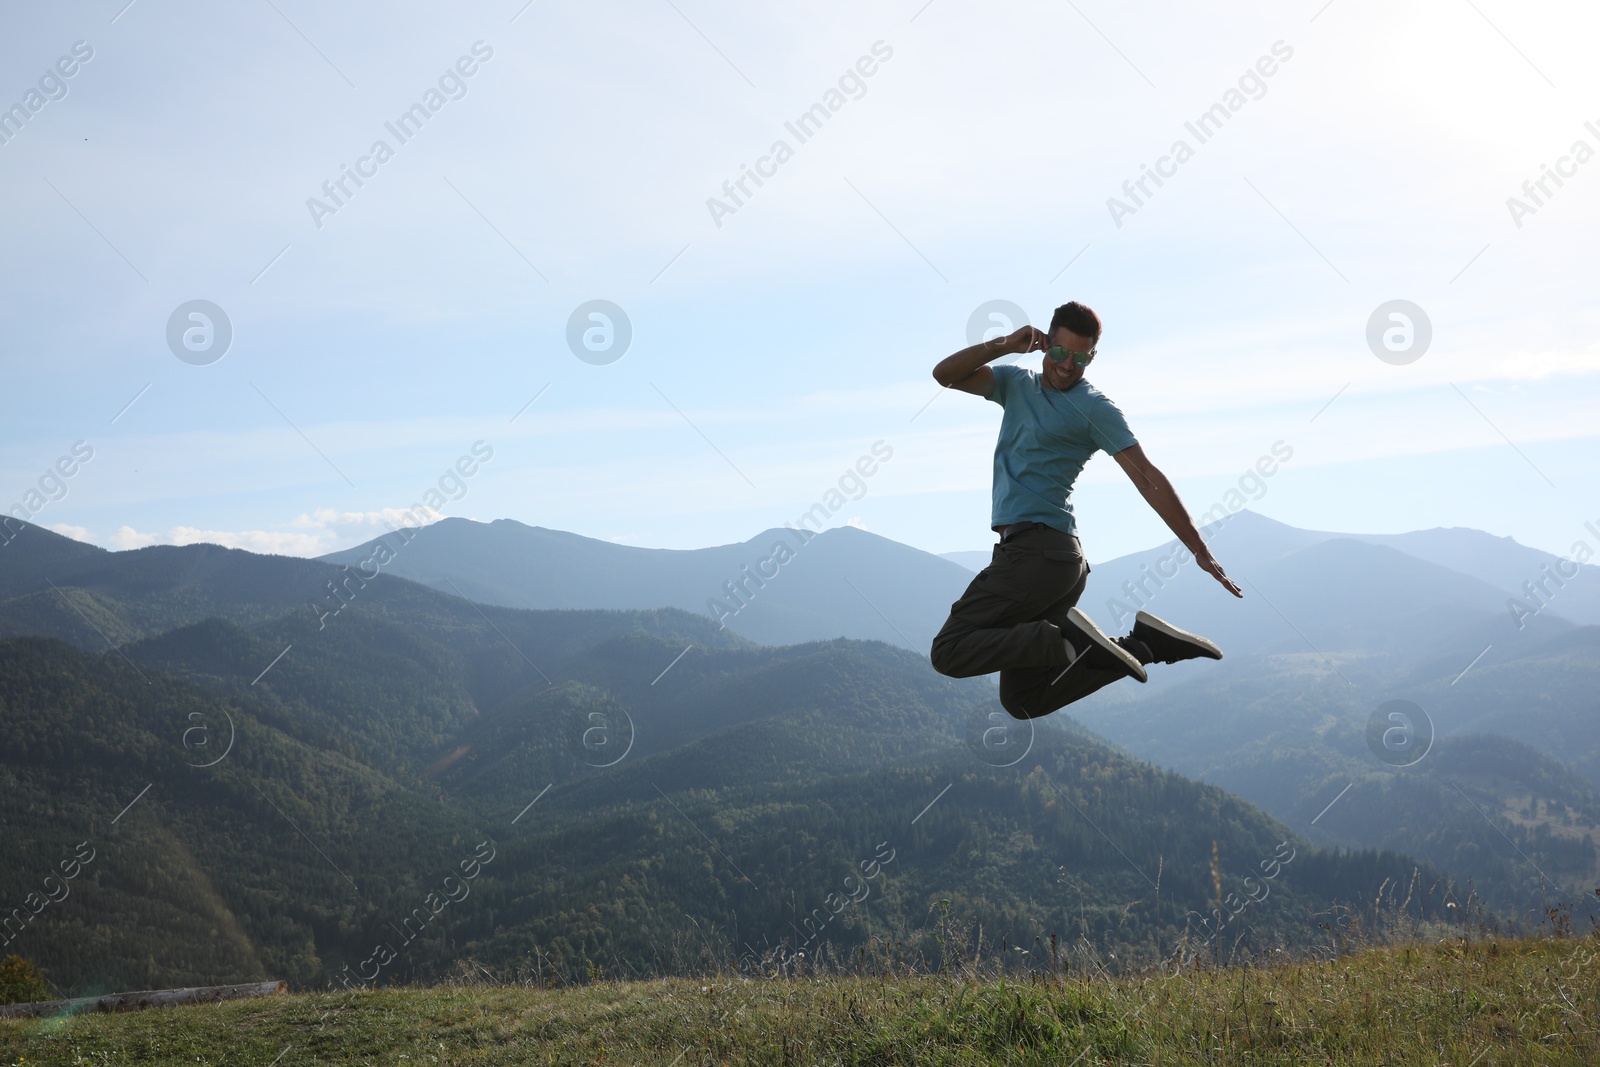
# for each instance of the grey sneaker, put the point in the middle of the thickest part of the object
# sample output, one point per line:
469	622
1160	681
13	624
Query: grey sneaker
1102	651
1167	643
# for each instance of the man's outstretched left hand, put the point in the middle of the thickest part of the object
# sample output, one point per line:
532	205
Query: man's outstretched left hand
1209	564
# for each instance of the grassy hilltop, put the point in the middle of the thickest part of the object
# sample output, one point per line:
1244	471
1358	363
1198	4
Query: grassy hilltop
1462	1003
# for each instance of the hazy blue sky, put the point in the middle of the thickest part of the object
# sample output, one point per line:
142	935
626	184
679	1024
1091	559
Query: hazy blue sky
772	346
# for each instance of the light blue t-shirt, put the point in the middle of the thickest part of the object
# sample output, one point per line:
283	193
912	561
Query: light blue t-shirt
1046	436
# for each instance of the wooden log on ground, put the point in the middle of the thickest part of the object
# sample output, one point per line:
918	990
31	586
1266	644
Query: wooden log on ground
150	998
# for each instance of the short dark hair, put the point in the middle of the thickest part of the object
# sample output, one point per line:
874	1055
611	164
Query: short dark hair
1078	319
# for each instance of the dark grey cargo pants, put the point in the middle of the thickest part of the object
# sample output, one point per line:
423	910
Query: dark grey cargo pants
1011	618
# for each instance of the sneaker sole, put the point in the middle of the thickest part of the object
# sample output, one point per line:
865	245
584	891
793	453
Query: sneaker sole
1128	659
1162	626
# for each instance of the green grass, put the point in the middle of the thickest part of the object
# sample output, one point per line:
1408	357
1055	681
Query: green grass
1533	1001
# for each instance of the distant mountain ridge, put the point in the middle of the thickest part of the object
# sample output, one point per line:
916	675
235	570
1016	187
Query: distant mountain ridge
970	559
783	586
1343	622
1567	585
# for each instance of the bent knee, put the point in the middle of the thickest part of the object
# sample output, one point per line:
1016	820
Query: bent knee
941	655
1015	707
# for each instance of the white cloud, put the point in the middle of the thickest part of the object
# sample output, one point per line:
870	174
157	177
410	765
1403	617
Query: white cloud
77	533
127	537
318	533
265	541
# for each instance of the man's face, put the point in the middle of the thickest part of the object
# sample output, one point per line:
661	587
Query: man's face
1066	373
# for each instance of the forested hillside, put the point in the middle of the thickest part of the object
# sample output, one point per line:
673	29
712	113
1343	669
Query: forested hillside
290	857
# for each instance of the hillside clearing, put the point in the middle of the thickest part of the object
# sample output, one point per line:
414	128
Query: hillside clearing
1481	1003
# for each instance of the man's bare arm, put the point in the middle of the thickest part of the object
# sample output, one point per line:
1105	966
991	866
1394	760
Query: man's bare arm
1163	498
968	370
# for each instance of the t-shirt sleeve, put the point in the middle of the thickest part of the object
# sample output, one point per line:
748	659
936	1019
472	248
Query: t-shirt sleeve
1003	377
1108	428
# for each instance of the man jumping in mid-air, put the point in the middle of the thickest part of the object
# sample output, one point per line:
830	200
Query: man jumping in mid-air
1018	616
